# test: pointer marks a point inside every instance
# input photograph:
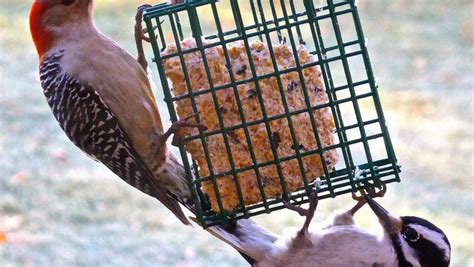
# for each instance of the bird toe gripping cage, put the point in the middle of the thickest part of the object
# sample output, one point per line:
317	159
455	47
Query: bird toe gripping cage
332	32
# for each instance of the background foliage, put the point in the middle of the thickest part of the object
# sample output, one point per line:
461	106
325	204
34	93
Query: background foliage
57	207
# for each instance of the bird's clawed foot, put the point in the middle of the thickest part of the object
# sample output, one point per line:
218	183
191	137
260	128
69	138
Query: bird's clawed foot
175	129
308	213
371	192
140	36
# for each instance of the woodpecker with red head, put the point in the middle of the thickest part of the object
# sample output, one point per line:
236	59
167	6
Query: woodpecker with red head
103	100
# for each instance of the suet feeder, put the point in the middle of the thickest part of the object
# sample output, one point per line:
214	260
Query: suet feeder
331	30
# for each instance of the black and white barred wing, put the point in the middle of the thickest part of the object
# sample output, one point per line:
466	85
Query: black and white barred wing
92	126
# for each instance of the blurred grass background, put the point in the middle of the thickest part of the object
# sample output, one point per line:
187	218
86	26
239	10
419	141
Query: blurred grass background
57	207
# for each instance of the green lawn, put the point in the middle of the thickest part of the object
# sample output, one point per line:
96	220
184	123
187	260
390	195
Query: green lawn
58	207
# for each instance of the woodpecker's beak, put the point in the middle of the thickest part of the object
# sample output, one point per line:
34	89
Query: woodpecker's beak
391	224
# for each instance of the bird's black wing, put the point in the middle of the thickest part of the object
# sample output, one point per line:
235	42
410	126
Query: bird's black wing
93	127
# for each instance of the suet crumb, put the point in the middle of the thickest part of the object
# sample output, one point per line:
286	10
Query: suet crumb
261	139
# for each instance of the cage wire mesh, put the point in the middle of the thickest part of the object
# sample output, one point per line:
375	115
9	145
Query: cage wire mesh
331	31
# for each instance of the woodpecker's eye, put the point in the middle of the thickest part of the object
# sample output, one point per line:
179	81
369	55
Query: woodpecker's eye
411	235
68	2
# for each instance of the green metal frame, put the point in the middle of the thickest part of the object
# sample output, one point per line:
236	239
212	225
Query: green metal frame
287	22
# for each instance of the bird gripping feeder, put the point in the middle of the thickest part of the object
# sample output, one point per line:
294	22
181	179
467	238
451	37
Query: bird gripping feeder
331	31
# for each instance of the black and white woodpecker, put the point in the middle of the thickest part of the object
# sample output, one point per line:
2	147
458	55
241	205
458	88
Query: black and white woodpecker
407	241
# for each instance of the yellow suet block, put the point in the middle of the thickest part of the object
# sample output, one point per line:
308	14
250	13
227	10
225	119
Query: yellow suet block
259	136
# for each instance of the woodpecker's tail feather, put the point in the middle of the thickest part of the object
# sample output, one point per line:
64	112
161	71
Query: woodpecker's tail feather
251	240
174	175
171	204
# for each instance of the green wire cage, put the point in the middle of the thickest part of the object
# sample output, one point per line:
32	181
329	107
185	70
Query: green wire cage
332	32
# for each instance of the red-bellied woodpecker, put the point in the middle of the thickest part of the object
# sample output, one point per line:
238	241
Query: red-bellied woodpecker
102	99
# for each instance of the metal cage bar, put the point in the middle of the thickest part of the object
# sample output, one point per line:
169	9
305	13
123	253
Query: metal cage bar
326	72
239	106
219	117
306	99
262	106
283	96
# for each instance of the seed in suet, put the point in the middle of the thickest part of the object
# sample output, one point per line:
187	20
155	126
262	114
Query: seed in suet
317	89
292	86
233	137
251	93
299	147
242	70
222	110
276	139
